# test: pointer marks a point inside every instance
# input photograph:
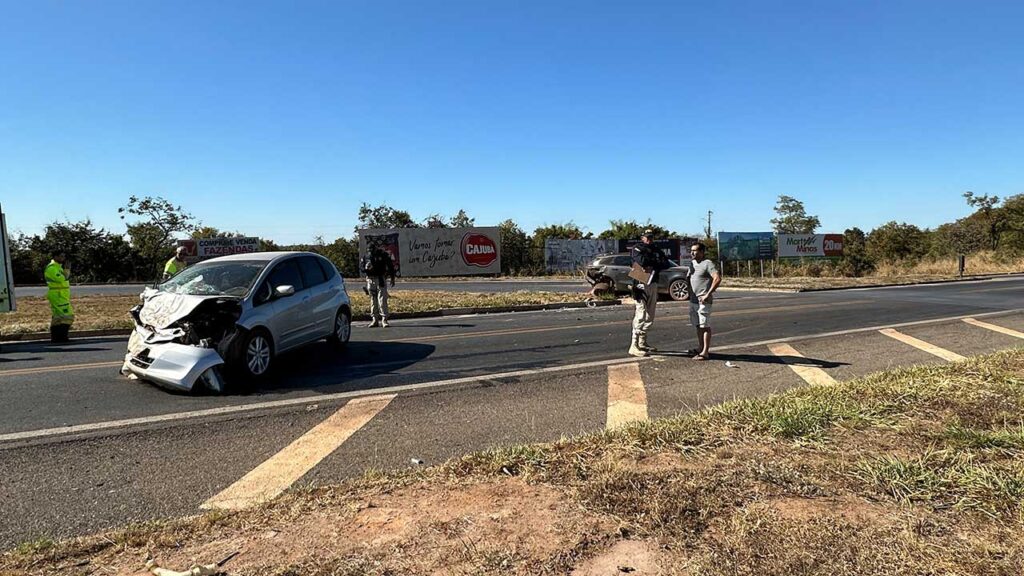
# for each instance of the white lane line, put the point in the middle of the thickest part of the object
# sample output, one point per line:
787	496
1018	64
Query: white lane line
317	399
324	398
274	476
994	328
627	399
922	345
813	375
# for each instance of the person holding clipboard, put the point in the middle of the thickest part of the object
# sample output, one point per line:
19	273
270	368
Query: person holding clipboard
647	262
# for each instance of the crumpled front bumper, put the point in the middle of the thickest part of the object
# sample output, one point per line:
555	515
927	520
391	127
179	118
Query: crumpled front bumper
175	366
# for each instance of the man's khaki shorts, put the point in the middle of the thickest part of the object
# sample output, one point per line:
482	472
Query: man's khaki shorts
700	315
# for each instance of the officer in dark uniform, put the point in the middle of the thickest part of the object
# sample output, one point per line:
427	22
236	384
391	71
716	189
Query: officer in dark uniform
652	260
380	272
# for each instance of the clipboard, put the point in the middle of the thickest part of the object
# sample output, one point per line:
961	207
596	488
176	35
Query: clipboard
637	272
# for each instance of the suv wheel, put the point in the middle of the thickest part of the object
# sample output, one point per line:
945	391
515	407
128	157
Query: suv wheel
678	290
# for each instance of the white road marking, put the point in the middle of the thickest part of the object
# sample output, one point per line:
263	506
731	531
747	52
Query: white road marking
627	399
274	476
994	328
813	375
922	345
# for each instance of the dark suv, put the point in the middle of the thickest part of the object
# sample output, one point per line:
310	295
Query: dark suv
613	269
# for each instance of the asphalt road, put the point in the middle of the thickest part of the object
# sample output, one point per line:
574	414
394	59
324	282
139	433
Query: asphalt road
503	285
83	449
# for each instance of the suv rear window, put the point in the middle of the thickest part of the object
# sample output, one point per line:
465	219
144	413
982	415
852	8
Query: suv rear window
623	261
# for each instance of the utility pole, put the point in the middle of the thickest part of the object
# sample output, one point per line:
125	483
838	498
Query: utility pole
707	231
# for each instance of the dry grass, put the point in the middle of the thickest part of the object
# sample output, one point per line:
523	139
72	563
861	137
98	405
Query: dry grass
101	312
914	471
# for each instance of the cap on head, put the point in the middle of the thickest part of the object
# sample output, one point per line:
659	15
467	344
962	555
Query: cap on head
179	250
648	233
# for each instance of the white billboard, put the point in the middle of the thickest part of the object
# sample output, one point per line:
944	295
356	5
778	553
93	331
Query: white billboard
6	277
205	248
565	255
810	245
438	251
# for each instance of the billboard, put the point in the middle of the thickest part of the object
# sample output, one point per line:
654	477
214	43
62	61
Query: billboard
745	245
6	278
205	248
565	255
438	251
810	245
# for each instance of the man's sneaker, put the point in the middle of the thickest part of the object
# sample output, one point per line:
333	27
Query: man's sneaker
385	323
373	324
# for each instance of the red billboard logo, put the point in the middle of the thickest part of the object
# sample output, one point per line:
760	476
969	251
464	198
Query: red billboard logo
190	248
833	245
478	250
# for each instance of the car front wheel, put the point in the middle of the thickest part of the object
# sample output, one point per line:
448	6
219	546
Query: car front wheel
254	354
678	290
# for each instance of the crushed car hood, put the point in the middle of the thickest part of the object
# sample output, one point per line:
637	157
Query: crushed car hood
162	309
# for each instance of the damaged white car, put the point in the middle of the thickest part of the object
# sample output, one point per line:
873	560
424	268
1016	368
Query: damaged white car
221	322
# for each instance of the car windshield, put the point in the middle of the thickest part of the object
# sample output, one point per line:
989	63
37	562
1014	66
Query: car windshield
232	278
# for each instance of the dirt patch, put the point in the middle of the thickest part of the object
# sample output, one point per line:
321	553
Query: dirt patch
624	557
845	507
459	527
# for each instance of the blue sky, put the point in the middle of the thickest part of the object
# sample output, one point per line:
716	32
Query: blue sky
279	119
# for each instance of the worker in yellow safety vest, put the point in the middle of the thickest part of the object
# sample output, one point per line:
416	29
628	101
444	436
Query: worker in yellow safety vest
176	263
58	292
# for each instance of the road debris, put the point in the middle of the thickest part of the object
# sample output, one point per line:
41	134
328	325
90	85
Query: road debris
729	364
416	462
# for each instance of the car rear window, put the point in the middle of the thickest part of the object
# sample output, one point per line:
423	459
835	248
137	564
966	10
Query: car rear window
623	261
312	273
329	270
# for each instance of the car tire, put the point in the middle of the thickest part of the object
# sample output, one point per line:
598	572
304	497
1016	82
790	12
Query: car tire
678	290
253	356
342	328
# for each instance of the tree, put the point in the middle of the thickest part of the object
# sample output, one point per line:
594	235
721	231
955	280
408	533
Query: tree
964	236
992	218
515	249
567	230
434	221
1012	236
343	252
461	220
153	235
211	232
894	241
94	255
792	218
630	230
384	216
855	260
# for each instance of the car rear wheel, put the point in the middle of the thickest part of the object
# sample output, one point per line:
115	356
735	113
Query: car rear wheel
342	328
678	290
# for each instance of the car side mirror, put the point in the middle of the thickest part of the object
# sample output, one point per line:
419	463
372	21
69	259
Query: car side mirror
283	291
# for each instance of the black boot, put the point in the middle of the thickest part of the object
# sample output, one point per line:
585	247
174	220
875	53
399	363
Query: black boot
60	333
